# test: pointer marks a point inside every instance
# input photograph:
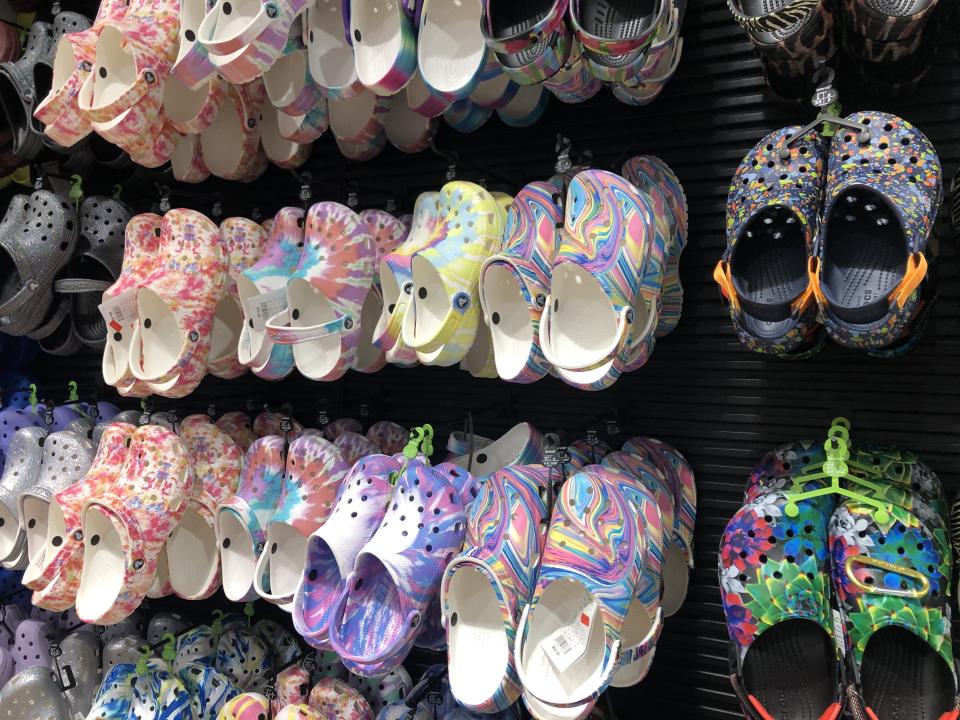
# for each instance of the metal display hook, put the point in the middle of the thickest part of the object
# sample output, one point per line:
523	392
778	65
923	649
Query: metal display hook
455	162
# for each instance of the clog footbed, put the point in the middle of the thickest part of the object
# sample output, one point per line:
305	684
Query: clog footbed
314	472
451	51
231	143
269	275
191	111
125	532
176	304
891	582
396	281
245	242
242	520
487	584
193	555
384	45
290	88
514	283
406	129
776	597
496	88
772	221
359	120
526	108
616	35
332	549
401	571
323	316
521	445
329	51
530	39
882	198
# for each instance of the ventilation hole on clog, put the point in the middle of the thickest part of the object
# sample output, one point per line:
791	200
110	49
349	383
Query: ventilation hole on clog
357	36
763	559
57	541
33	523
295	314
311	36
95	540
482	458
769	147
422	293
496	318
359	584
102	72
227	8
865	121
147	323
273	549
226	543
914	160
250	322
190	35
847	138
778	575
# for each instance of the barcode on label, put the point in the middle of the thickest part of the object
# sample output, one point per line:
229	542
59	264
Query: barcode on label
562	646
260	308
120	313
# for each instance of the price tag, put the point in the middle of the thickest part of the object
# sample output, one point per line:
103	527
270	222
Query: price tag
613	428
569	643
825	96
120	313
261	308
838	632
593	437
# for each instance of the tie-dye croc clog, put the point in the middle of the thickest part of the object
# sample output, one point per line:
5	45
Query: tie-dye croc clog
401	567
390	437
569	598
292	686
125	530
384	44
56	583
892	585
246	706
531	42
485	586
290	89
315	471
242	520
520	445
407	130
280	151
329	51
333	548
231	144
383	690
396	281
271	423
244	658
772	223
422	100
882	198
176	303
262	288
322	320
514	283
445	313
333	698
343	425
451	52
353	446
776	593
238	426
245	242
678	560
193	555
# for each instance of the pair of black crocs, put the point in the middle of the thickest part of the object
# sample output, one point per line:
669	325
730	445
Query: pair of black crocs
55	266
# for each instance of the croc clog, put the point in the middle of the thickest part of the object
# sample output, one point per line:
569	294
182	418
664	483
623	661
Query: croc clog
406	129
353	446
245	242
530	40
32	646
193	554
264	285
329	51
176	305
422	100
573	83
390	437
283	644
396	281
495	88
772	223
344	425
883	194
237	425
209	690
520	445
485	586
306	128
280	151
322	319
20	473
526	108
192	66
315	470
615	37
515	282
290	89
384	44
451	52
462	443
444	314
124	530
332	549
57	577
401	567
231	144
383	690
333	698
34	694
466	117
246	706
242	520
776	594
197	646
81	653
292	686
244	658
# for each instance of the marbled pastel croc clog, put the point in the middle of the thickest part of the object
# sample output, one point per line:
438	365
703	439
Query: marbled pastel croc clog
615	37
245	242
322	318
315	470
242	520
573	83
772	222
402	571
488	583
515	282
883	194
264	285
526	108
384	44
530	40
332	549
451	52
193	554
176	304
329	51
125	530
496	88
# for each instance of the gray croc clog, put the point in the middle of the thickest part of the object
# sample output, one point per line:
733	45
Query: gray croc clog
34	694
81	653
6	666
10	618
38	236
163	623
21	472
23	83
121	650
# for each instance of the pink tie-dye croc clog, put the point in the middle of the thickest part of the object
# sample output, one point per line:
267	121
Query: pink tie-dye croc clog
384	44
390	437
315	471
325	295
193	557
290	88
354	446
125	529
245	242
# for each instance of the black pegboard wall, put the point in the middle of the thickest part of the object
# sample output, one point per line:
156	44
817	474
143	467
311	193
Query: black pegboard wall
721	405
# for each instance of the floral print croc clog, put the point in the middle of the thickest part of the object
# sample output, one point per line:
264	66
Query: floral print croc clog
335	700
892	582
773	220
504	539
397	573
193	555
323	317
243	519
332	549
238	118
315	471
125	532
238	426
883	194
774	580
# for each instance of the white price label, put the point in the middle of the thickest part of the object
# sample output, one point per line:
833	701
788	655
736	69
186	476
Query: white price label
838	628
260	308
569	643
120	312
